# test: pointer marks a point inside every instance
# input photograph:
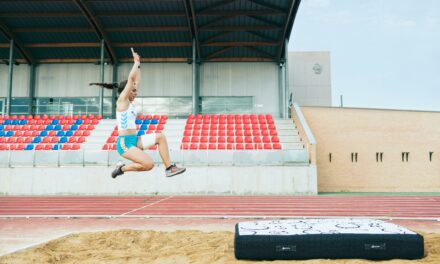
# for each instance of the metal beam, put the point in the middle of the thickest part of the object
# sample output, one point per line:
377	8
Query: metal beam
262	52
94	22
11	69
101	80
222	3
40	14
194	21
268	6
239	28
215	54
32	88
242	43
96	61
239	59
243	13
216	36
261	36
111	29
293	8
265	21
215	21
196	81
26	53
97	44
141	13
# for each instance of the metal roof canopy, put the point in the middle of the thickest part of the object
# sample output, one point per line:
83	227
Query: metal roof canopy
70	31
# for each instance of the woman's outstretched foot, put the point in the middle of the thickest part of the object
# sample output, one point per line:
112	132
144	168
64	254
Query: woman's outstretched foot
173	170
118	170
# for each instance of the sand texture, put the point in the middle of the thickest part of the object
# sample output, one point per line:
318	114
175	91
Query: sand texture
156	247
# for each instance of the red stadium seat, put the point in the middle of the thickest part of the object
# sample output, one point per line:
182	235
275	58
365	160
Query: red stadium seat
267	146
276	146
212	146
86	133
221	146
239	146
76	147
184	146
275	139
249	146
203	146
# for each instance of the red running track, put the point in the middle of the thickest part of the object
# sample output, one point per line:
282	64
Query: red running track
392	207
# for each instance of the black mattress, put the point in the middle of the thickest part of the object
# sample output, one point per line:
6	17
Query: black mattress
325	238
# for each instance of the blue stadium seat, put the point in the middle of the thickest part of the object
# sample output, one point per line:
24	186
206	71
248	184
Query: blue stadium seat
154	121
36	140
2	133
57	127
140	133
23	122
15	122
63	140
69	133
43	133
146	122
56	147
2	127
138	121
78	122
74	127
49	127
55	122
7	122
29	147
143	127
60	133
10	133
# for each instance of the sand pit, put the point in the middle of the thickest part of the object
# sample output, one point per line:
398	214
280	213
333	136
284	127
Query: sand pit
156	247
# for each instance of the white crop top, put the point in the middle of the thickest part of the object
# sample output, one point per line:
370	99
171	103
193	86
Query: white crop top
127	119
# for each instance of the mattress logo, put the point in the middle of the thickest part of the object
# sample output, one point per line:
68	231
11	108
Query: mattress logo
285	248
375	246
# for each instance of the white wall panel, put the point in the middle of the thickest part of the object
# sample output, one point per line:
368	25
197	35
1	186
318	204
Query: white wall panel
20	80
161	79
69	80
259	80
310	78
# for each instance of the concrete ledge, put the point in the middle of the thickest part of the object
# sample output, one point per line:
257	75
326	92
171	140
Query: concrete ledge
203	180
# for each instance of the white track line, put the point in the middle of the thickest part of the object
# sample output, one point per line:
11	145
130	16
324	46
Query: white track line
145	206
218	217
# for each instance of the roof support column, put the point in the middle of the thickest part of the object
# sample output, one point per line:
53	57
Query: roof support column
282	88
32	101
287	90
114	91
101	71
11	68
196	80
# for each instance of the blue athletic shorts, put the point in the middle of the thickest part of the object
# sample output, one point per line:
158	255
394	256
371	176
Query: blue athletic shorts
129	141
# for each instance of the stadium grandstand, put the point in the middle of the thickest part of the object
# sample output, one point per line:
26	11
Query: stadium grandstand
251	122
214	81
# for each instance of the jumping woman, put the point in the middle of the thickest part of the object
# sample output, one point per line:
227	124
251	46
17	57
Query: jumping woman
129	145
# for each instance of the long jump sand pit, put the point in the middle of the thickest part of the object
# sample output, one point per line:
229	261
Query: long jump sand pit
159	247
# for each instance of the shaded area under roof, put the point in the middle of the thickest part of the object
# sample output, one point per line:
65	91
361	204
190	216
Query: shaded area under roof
160	30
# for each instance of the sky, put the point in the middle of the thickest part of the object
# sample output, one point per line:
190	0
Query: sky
384	53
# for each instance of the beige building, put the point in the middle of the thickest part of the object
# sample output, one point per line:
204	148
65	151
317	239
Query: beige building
373	150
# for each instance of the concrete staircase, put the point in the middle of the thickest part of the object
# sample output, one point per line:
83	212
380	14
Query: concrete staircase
288	134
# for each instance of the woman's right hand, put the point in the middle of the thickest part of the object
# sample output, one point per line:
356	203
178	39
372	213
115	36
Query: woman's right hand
136	57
